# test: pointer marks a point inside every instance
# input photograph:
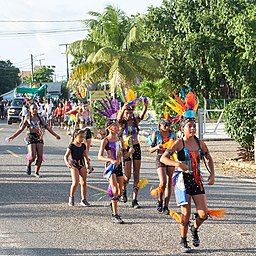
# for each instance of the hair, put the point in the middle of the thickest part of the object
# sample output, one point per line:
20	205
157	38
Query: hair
77	132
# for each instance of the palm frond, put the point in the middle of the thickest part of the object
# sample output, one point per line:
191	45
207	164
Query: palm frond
105	54
83	47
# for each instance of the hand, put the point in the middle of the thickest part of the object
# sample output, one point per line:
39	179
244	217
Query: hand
211	179
183	167
126	104
160	146
69	165
113	161
57	137
9	139
131	150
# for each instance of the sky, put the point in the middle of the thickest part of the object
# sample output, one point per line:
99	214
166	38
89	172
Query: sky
19	40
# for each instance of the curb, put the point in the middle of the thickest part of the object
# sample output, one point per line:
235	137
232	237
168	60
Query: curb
243	165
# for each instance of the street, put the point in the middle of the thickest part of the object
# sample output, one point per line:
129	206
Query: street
35	218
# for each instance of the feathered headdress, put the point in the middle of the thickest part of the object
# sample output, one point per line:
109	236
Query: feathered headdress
185	110
110	108
130	97
80	96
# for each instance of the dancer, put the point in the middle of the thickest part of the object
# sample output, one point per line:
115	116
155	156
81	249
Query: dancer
84	119
78	166
35	129
189	150
160	139
129	126
114	147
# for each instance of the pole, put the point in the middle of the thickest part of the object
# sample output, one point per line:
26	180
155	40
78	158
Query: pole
200	124
67	63
32	69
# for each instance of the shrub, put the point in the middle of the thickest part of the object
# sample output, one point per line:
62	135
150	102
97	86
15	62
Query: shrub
240	123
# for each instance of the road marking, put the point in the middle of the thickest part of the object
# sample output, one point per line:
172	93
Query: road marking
13	154
96	188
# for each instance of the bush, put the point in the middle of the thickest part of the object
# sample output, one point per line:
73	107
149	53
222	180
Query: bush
240	124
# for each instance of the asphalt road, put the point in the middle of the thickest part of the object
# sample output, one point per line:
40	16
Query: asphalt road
36	220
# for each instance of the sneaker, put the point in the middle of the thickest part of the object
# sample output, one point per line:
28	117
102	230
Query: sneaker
159	206
123	198
184	246
28	170
37	175
117	219
71	201
135	204
84	203
166	210
195	237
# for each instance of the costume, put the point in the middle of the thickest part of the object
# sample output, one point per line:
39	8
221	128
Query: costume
77	155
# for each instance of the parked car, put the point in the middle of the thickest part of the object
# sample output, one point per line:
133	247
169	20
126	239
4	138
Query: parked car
14	111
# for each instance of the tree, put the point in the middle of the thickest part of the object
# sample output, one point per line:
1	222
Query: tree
44	74
113	52
209	43
9	76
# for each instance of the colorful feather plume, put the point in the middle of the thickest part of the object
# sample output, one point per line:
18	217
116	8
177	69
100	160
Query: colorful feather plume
142	183
155	191
175	215
121	95
128	142
167	115
169	143
187	109
130	95
217	213
110	108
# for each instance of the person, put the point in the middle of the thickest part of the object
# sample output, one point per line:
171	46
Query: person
83	120
78	166
129	127
190	150
35	129
67	107
49	108
59	114
114	147
24	111
159	138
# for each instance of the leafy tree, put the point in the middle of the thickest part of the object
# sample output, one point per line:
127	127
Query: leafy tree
240	124
44	74
113	51
9	76
209	43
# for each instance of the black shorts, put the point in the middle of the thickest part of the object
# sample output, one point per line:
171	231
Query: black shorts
118	171
33	138
88	134
136	155
192	188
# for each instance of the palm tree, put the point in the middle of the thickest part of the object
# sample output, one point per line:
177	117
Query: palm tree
113	51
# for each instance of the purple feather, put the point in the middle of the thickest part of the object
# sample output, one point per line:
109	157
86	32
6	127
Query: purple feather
110	192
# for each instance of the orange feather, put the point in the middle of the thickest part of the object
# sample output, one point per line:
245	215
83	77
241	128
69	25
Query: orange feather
217	213
191	100
153	192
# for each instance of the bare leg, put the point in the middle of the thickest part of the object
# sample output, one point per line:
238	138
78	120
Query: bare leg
168	188
75	181
113	182
83	177
136	177
39	159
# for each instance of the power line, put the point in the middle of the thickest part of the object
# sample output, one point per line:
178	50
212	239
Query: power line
39	21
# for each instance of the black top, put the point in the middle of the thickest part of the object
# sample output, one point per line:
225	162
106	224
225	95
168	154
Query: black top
77	153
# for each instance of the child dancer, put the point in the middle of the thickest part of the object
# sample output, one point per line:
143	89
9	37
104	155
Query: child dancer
78	166
190	150
159	139
114	147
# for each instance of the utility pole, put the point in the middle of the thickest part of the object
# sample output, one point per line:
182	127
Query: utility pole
32	68
66	45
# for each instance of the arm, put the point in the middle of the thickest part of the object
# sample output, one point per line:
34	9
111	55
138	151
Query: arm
101	153
165	158
77	120
209	162
121	112
19	131
49	129
66	156
126	153
144	110
153	148
87	159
